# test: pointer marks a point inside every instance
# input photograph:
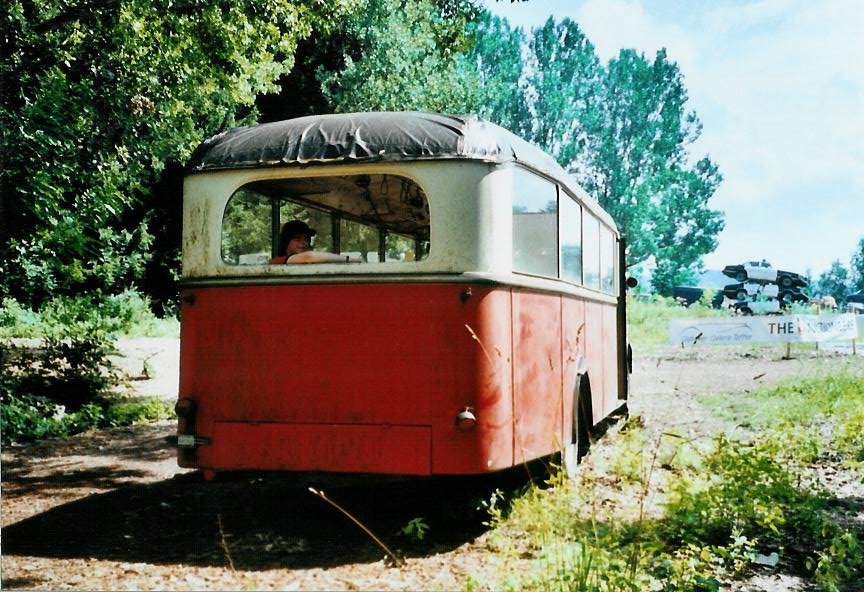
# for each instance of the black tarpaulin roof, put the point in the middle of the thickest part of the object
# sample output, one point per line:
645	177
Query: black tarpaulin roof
365	137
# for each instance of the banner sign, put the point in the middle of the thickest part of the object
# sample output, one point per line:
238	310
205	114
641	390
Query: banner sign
762	329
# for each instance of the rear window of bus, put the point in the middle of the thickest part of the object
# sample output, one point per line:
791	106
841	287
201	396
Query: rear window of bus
371	218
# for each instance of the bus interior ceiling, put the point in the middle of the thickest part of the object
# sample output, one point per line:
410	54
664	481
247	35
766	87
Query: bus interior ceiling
389	200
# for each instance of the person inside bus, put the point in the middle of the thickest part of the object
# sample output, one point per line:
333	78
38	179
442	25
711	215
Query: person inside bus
295	246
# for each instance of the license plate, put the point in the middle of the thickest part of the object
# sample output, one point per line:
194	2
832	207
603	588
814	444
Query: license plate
186	441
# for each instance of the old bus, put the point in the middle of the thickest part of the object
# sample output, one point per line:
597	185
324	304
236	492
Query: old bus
476	322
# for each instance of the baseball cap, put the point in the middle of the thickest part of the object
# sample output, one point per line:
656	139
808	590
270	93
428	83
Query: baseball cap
297	227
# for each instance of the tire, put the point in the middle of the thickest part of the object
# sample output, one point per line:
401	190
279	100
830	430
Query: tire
785	281
747	312
741	295
580	441
741	276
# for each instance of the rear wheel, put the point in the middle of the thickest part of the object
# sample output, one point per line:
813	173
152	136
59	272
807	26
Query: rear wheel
741	276
785	281
742	295
580	430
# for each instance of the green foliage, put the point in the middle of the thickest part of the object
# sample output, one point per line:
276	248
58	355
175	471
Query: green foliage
246	226
839	562
794	403
98	112
65	387
675	514
856	281
622	129
501	89
93	315
24	419
66	371
415	530
707	298
648	319
745	489
409	58
835	282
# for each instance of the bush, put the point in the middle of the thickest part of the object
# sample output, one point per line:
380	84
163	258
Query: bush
68	372
63	388
26	418
690	514
82	316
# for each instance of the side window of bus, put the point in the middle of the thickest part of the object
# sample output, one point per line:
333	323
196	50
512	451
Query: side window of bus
535	225
371	218
571	240
607	260
591	245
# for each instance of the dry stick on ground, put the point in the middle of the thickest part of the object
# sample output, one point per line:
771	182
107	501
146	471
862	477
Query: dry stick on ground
223	543
387	550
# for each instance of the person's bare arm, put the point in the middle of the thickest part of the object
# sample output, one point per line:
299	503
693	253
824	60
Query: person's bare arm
319	257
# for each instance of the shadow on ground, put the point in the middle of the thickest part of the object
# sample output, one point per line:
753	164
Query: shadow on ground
252	522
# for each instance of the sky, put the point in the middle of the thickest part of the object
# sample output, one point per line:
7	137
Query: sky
779	88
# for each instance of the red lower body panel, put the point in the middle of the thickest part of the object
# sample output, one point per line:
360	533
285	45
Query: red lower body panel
404	450
371	378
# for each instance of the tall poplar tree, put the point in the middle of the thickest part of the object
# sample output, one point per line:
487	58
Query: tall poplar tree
624	131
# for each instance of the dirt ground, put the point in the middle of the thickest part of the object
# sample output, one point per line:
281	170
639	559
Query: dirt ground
111	510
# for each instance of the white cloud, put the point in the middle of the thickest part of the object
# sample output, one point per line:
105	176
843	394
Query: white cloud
792	93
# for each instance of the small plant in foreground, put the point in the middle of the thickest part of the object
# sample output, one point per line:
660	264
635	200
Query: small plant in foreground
841	561
415	530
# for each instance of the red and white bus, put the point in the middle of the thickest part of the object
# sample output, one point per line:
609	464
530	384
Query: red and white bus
476	322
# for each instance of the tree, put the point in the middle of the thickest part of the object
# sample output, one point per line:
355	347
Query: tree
624	132
638	166
856	281
98	98
409	56
564	81
500	84
835	282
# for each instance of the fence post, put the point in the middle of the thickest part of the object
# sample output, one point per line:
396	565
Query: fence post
855	316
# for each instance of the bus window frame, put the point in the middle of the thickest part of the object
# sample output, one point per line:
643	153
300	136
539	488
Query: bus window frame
335	217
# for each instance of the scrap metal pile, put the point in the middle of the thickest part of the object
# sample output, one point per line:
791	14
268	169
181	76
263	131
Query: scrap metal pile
761	289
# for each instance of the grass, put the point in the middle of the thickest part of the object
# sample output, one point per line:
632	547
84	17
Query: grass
823	396
648	321
655	510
